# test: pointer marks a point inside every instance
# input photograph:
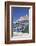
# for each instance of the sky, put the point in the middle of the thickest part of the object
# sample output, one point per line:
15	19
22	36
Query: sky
17	12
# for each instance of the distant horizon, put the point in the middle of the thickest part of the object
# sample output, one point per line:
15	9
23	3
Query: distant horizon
17	12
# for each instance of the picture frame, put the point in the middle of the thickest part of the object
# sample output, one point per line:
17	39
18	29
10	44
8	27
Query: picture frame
9	12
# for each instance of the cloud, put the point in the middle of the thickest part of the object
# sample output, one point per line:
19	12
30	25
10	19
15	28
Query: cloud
20	19
14	22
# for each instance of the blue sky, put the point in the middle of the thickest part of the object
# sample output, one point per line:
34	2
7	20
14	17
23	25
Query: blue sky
17	12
